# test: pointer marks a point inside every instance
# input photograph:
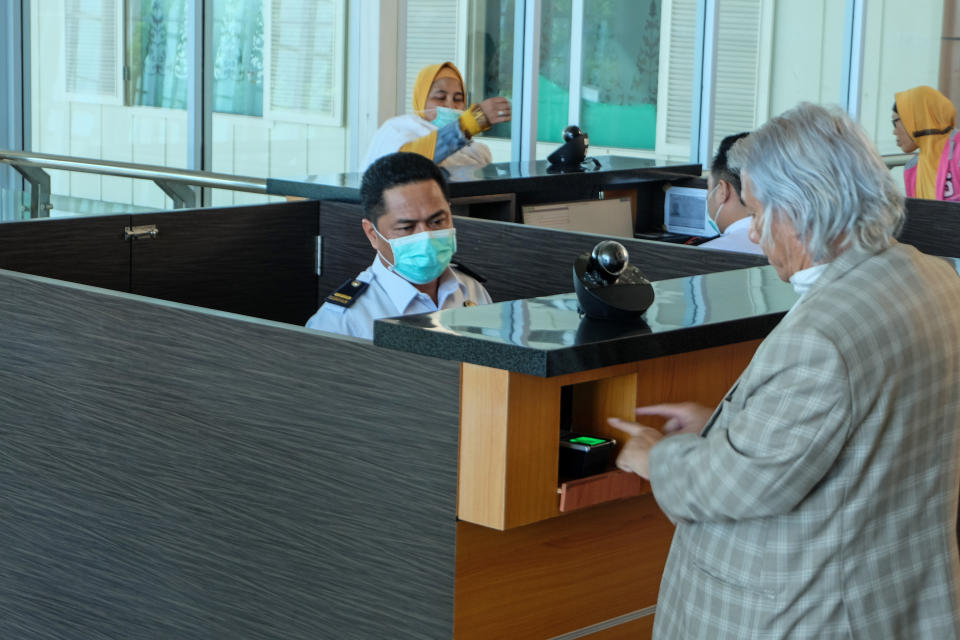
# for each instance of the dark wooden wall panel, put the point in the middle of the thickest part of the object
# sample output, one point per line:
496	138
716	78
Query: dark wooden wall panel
84	250
519	261
933	227
172	473
258	260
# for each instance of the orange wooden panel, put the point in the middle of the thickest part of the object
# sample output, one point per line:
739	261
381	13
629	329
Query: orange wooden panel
594	402
509	441
561	574
482	473
596	374
533	450
702	376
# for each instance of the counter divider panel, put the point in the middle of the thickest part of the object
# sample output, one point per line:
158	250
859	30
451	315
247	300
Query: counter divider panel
173	472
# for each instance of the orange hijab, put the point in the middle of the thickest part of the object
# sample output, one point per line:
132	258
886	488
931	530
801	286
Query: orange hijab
425	80
928	117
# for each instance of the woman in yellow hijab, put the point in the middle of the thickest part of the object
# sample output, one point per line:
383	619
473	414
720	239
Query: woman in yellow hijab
923	119
442	126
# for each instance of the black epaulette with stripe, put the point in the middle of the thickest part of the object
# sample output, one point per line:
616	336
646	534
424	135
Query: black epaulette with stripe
348	293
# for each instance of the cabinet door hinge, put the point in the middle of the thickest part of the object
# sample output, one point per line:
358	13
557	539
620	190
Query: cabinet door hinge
141	232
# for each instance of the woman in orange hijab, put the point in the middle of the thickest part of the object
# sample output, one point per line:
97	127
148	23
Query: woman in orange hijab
923	119
442	126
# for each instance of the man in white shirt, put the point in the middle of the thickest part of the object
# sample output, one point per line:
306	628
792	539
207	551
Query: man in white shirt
725	205
408	222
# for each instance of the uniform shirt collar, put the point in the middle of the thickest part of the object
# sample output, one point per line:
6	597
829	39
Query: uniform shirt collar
402	293
737	225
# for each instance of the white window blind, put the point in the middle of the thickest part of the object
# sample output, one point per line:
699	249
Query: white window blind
90	47
738	64
307	41
433	36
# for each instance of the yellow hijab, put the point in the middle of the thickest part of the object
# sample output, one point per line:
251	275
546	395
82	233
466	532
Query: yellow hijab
928	117
425	80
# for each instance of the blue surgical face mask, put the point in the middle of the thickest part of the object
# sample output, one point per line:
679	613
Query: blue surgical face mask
712	220
422	257
445	116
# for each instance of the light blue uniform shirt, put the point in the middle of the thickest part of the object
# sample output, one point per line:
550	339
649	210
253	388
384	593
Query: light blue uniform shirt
388	295
735	238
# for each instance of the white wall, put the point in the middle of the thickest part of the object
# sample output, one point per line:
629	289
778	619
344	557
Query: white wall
901	50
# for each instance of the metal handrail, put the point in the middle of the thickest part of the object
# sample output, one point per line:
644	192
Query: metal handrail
176	183
897	159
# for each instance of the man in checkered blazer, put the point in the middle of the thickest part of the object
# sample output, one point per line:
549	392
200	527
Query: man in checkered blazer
819	500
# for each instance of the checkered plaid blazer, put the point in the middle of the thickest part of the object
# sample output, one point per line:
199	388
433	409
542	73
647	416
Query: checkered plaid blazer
820	501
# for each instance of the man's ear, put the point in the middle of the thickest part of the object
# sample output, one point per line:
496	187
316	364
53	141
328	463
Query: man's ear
372	236
725	189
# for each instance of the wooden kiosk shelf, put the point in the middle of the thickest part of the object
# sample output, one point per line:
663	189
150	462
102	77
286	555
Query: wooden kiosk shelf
510	428
603	487
536	557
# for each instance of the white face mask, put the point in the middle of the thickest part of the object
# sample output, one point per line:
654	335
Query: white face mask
714	220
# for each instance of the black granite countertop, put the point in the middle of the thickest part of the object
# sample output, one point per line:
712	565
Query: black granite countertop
547	336
499	177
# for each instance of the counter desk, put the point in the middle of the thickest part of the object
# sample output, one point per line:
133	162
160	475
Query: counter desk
538	556
499	191
185	460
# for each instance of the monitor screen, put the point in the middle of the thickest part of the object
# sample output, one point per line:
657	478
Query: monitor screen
685	211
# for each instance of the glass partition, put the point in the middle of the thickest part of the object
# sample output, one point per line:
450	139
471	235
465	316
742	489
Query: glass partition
899	54
83	95
490	59
278	84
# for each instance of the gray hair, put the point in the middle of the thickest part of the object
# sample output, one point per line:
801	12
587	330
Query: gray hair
816	168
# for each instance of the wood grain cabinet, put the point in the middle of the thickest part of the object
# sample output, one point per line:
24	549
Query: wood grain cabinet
525	569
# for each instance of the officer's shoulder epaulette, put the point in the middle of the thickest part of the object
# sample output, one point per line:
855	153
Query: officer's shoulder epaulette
464	269
348	293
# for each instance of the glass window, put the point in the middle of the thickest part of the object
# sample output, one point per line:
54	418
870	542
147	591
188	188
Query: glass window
157	60
477	36
553	101
489	69
278	90
307	45
619	73
905	54
90	45
156	70
238	57
77	101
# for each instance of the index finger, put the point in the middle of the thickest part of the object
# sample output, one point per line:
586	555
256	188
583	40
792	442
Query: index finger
630	428
666	409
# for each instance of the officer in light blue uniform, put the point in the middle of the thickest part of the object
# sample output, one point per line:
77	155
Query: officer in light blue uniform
409	224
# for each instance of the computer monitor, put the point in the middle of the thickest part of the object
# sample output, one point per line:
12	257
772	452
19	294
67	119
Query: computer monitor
685	212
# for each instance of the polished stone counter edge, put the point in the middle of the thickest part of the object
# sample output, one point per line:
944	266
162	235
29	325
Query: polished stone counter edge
395	335
312	190
344	187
